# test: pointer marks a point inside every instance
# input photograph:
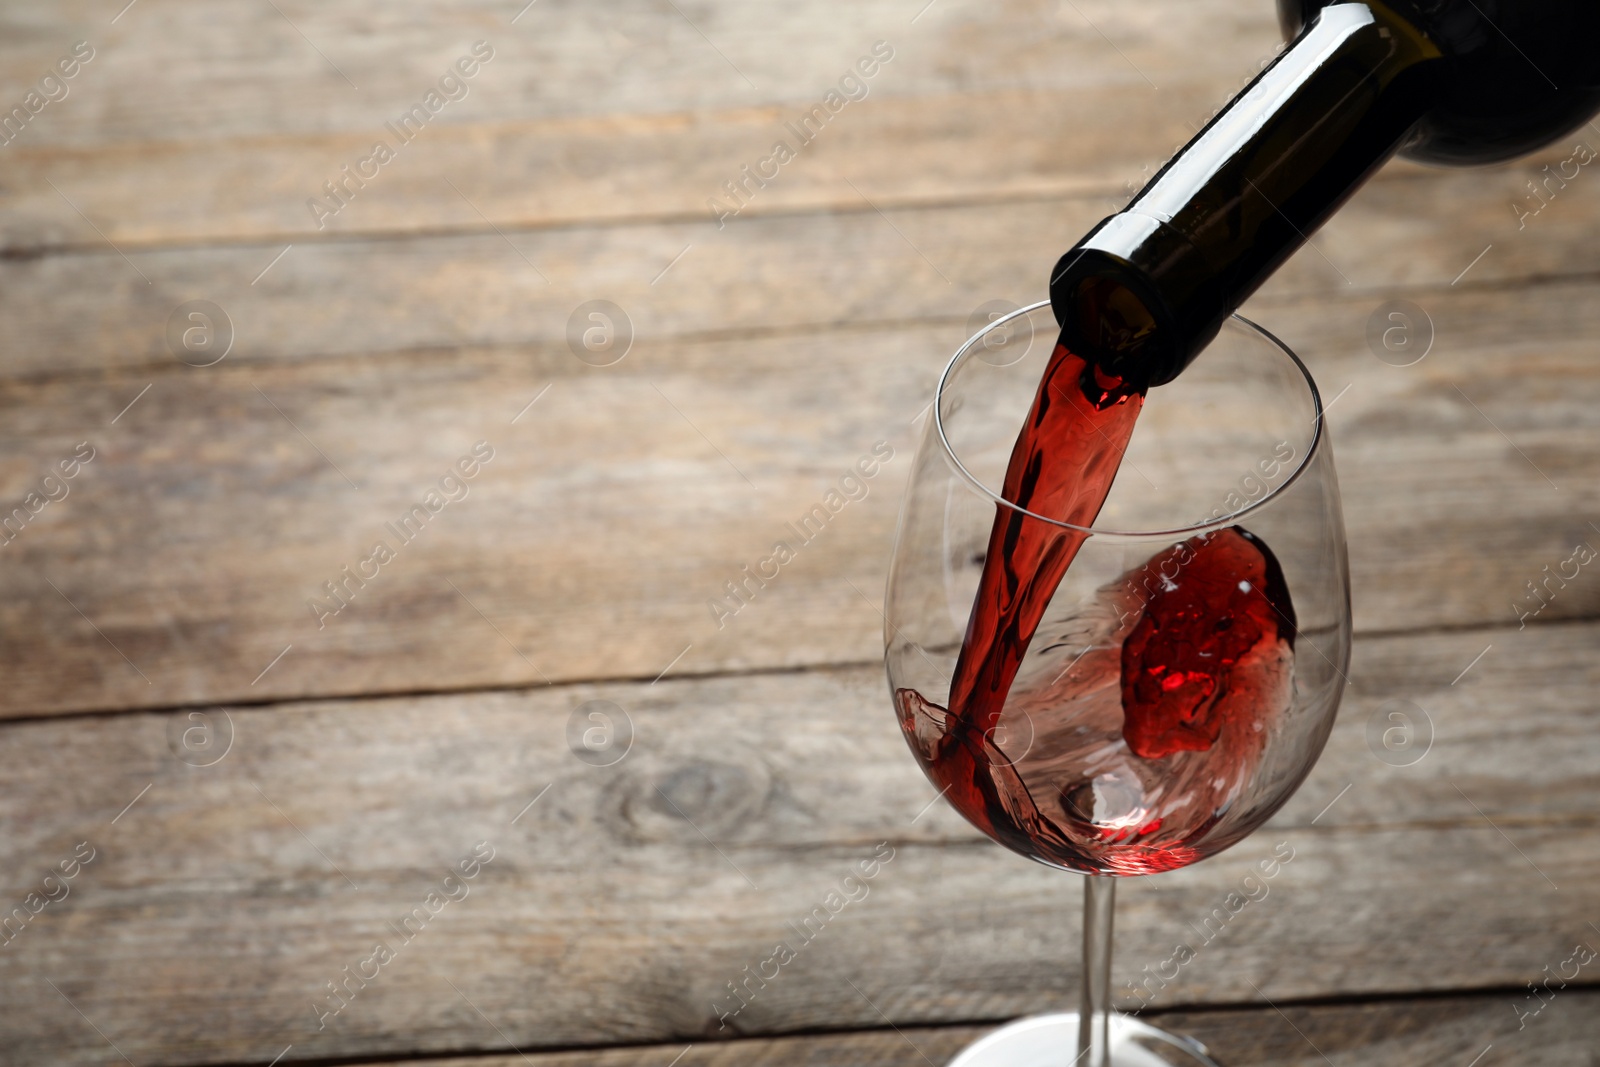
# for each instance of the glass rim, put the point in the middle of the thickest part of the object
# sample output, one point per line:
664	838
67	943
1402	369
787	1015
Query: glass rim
1174	533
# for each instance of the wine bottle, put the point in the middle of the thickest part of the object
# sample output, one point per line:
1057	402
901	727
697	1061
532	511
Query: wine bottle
1443	81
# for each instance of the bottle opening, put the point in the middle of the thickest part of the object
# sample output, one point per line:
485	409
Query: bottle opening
1110	325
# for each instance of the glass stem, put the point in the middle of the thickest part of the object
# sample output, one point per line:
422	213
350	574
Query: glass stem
1094	1015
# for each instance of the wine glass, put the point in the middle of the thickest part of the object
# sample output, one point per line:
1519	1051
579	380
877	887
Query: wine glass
1227	484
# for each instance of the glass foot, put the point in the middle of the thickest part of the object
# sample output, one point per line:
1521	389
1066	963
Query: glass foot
1052	1041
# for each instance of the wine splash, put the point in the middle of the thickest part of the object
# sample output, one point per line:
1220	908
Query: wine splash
1121	744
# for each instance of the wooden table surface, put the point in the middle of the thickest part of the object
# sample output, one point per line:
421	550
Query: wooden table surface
251	792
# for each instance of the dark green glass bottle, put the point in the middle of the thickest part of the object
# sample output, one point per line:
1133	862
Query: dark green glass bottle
1444	81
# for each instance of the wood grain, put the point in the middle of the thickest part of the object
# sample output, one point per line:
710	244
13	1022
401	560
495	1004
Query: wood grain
1397	1033
621	902
225	497
94	309
159	143
267	797
140	157
162	62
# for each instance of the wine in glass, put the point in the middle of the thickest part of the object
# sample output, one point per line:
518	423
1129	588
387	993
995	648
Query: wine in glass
1126	681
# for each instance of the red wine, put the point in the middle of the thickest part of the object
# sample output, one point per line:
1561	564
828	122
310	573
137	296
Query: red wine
1118	758
1062	467
1225	599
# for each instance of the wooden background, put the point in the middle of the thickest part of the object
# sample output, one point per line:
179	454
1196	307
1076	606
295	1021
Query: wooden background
157	617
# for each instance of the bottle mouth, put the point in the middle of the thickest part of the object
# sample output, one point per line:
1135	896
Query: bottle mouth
1104	309
1138	298
974	346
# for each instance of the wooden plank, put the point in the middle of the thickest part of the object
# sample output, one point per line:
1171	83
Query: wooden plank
218	504
1398	1033
655	135
990	147
192	123
95	309
632	59
622	899
861	1049
1436	1030
551	173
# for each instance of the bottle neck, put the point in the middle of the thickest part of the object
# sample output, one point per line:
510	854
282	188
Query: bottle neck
1150	287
